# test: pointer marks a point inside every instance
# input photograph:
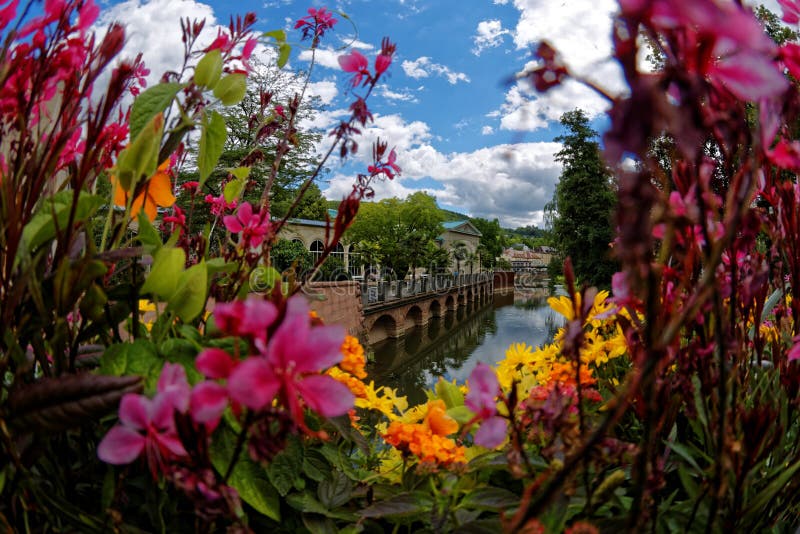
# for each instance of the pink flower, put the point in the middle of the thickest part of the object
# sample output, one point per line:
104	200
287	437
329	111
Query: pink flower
794	352
316	23
249	46
356	63
289	367
146	425
209	399
249	319
172	384
219	205
222	42
253	227
483	389
8	13
382	62
791	11
87	15
390	168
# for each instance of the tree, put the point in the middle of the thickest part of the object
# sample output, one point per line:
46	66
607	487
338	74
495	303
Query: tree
493	240
404	230
459	251
583	202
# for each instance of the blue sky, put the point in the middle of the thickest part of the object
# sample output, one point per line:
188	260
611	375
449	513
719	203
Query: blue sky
481	144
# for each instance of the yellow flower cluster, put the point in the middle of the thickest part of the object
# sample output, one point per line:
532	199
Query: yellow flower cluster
603	340
428	440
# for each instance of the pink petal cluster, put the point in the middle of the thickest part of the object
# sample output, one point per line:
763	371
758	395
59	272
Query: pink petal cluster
146	425
252	226
316	23
356	63
219	205
389	168
483	389
288	366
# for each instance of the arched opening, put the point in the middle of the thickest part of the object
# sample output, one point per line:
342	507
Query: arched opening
413	318
384	327
450	303
435	309
316	249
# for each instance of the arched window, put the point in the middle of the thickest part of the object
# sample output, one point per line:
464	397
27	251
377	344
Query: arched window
316	249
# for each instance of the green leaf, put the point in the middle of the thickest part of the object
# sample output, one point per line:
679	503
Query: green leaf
284	50
140	157
756	505
305	502
190	297
148	236
151	102
317	524
315	466
247	477
335	492
54	213
278	35
219	265
137	358
209	69
450	393
212	142
232	190
114	360
491	499
166	272
404	505
461	414
286	467
232	88
240	172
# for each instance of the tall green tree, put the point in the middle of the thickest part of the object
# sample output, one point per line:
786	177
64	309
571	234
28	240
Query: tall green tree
493	240
583	202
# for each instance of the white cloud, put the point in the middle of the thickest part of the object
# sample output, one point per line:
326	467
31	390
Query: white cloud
487	130
326	90
324	57
582	35
423	67
402	95
153	28
489	35
512	182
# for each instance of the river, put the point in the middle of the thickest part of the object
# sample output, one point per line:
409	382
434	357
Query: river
451	346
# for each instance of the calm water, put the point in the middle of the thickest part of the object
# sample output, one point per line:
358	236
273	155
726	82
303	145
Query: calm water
452	345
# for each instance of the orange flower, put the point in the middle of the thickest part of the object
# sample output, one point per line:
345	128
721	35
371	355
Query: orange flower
157	192
355	385
419	440
438	421
564	373
353	360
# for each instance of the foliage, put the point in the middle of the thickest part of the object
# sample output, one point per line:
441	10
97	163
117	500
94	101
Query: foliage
492	240
402	232
671	406
583	202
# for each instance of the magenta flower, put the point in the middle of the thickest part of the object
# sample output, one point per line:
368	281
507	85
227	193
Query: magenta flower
483	389
382	62
209	399
249	318
316	23
146	425
252	226
219	205
356	63
174	387
791	11
289	367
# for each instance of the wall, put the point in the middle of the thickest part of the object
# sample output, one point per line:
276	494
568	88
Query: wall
337	303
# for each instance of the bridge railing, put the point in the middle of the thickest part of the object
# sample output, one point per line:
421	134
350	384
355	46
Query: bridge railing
382	291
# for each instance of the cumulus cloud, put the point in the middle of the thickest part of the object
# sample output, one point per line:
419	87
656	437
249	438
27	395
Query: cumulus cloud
401	95
325	90
324	57
582	35
489	34
487	130
423	67
522	175
153	27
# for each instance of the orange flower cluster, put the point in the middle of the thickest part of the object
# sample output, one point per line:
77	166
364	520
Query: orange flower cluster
428	440
356	386
564	374
353	361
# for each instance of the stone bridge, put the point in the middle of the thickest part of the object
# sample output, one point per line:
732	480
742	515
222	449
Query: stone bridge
392	308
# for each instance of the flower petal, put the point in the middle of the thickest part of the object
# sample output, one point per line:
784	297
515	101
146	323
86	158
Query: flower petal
159	188
491	433
253	383
325	395
134	411
215	363
121	445
209	400
174	385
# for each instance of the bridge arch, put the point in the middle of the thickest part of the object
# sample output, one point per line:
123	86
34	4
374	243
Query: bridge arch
413	318
450	303
384	327
435	309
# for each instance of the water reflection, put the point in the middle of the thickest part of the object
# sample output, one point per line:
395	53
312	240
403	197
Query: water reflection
452	345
